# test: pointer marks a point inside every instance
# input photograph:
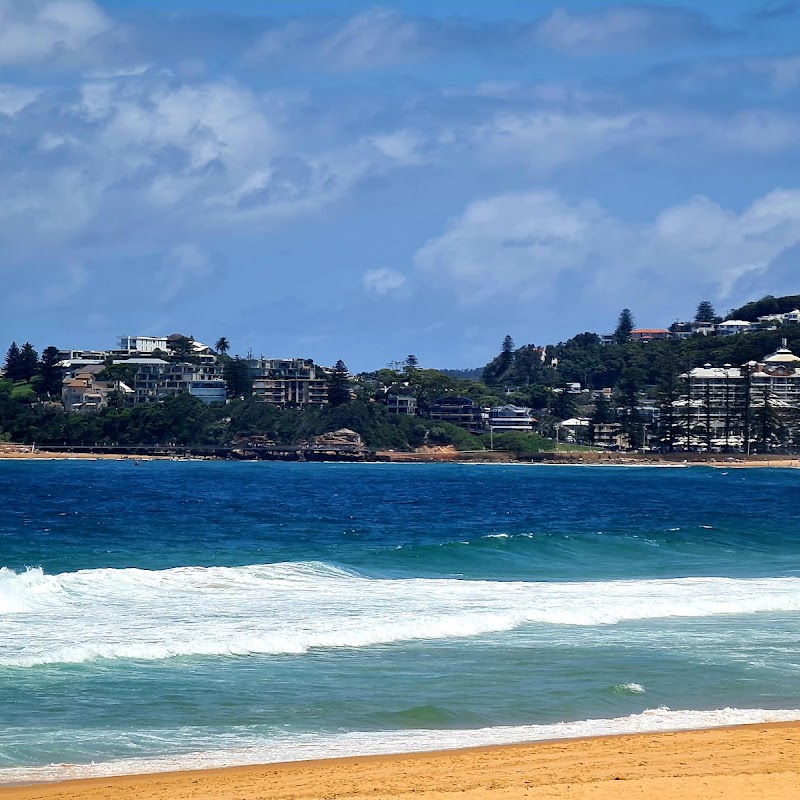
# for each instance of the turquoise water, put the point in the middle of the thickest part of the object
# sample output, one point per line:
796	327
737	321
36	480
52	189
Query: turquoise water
179	614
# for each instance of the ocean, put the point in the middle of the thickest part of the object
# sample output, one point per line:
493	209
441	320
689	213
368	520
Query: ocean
174	615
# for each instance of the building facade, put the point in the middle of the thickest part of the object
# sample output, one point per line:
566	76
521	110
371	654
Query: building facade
402	404
511	418
288	381
460	411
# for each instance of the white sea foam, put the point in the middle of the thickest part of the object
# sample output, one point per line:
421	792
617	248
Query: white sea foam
630	688
293	607
302	747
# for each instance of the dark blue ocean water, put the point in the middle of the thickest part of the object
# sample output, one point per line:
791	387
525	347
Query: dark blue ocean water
189	613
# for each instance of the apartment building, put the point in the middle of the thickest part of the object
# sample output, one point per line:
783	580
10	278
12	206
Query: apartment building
288	381
460	411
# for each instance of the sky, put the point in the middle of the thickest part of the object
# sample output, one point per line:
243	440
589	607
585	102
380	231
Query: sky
349	180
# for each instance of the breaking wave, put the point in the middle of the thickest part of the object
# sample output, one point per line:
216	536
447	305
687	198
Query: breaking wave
291	608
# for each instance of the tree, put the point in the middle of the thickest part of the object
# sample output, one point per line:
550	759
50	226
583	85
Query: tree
705	312
182	346
624	327
49	372
222	346
507	352
412	362
339	384
238	378
564	405
28	362
12	364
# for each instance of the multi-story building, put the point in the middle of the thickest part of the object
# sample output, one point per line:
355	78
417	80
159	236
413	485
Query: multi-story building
288	381
203	381
155	379
721	405
402	404
460	411
141	344
82	392
732	327
511	418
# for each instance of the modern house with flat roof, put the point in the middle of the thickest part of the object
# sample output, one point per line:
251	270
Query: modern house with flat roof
511	418
141	344
402	404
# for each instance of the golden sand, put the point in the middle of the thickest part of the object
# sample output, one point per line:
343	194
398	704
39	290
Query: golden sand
750	761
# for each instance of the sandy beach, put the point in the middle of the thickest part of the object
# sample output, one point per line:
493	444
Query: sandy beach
750	761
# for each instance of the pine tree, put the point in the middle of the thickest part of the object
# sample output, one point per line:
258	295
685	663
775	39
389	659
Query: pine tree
49	372
705	312
28	362
506	355
339	384
12	365
624	327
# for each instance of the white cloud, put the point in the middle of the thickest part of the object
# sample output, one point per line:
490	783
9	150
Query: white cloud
37	30
536	245
14	98
621	28
382	281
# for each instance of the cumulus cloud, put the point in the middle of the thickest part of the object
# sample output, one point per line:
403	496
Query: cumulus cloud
623	28
382	281
537	245
40	30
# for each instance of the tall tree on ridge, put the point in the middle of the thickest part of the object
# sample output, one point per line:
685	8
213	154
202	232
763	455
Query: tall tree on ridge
222	346
339	384
705	312
11	367
625	324
49	372
28	362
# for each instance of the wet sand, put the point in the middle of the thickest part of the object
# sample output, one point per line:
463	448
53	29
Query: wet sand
742	763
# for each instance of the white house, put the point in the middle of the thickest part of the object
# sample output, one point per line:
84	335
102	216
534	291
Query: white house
511	418
142	344
733	326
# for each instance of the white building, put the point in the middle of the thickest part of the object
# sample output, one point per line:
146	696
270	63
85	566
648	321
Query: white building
733	326
142	344
511	418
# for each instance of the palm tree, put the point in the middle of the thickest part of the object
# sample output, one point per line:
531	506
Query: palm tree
222	346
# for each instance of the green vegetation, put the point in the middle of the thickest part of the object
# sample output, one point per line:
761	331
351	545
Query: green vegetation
541	378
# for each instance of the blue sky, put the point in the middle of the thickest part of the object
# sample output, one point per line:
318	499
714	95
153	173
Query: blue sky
361	181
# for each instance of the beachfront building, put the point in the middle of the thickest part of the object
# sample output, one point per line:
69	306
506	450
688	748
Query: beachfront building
288	381
729	407
610	436
511	418
460	411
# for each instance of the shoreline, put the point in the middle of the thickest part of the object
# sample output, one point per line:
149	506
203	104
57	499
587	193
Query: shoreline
739	761
24	453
